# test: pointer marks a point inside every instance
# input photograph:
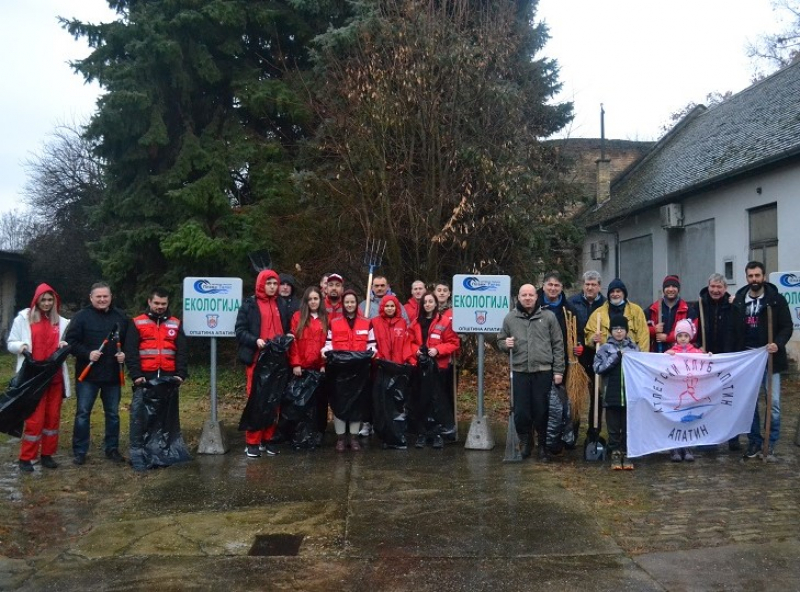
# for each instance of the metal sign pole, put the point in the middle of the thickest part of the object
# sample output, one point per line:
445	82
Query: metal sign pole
480	373
213	380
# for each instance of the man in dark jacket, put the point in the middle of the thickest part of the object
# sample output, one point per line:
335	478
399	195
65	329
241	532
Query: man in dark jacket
155	345
749	331
288	302
714	320
86	333
584	304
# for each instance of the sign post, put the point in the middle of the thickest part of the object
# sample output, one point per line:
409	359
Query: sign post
210	307
480	303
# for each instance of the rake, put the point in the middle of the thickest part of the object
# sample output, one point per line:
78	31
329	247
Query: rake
373	256
260	260
513	453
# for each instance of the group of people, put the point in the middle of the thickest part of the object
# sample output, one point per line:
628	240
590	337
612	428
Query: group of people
535	333
329	318
104	342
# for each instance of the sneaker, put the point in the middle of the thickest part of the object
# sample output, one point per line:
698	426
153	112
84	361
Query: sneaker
753	450
26	466
626	464
115	456
48	462
263	446
438	441
340	444
616	461
252	451
80	459
688	456
676	455
271	450
771	458
420	443
366	430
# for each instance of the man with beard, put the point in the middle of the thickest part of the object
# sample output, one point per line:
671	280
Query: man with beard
533	336
749	316
288	303
617	304
333	297
665	314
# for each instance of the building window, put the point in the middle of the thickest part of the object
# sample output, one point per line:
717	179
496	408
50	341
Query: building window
764	236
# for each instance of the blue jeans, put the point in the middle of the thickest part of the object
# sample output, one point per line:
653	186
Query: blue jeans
86	393
775	422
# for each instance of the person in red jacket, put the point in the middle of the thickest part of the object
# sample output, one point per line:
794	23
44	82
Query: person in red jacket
665	313
310	329
258	321
394	338
39	330
412	307
351	332
433	330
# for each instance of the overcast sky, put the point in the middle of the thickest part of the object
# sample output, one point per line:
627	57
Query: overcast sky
643	59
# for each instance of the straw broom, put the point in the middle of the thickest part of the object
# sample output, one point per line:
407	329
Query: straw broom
577	380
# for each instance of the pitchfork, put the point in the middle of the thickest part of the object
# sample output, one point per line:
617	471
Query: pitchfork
373	256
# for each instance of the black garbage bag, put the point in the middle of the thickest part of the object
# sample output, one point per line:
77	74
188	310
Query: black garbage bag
297	423
270	377
26	389
156	438
560	432
430	404
348	375
389	393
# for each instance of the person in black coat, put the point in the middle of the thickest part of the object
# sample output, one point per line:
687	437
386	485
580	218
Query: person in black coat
288	302
749	331
86	333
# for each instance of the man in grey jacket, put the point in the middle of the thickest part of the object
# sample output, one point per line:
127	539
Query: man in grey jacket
533	337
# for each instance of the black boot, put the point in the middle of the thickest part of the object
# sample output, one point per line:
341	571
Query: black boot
544	456
525	445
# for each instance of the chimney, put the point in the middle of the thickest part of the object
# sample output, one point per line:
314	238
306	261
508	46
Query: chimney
603	164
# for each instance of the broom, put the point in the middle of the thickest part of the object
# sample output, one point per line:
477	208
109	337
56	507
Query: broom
577	384
513	453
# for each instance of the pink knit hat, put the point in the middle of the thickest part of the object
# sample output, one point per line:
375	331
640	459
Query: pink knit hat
685	326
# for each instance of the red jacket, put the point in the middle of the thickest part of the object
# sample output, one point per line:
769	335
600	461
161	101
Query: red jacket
335	311
681	312
442	337
342	337
305	350
158	346
412	309
395	339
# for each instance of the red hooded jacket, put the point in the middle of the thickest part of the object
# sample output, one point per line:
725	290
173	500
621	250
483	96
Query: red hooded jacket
395	339
305	350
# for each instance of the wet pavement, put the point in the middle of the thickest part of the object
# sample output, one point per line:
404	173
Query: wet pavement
413	520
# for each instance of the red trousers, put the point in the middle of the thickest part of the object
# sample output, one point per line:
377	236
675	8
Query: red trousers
255	437
42	426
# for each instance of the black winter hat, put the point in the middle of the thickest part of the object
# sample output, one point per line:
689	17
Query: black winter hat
618	321
287	278
616	284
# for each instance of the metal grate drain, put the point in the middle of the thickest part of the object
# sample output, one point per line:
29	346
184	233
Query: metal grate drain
276	545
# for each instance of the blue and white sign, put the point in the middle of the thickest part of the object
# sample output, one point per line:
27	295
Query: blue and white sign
480	302
210	306
788	283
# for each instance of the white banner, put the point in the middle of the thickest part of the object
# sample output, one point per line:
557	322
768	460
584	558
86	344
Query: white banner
689	399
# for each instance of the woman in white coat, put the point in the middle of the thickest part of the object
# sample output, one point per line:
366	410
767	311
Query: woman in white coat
39	330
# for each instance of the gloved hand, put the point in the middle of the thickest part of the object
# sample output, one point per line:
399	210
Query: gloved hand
578	350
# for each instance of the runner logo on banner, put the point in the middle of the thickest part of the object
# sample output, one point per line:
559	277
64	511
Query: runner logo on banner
689	399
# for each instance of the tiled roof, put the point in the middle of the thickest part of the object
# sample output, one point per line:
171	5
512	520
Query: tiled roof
754	128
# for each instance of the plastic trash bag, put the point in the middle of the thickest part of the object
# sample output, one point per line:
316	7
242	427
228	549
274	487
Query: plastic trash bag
270	377
559	423
389	394
297	423
348	376
26	389
156	438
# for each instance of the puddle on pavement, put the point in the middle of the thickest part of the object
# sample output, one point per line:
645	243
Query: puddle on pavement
276	545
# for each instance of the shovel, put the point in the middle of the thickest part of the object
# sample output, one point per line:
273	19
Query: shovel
595	447
513	453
